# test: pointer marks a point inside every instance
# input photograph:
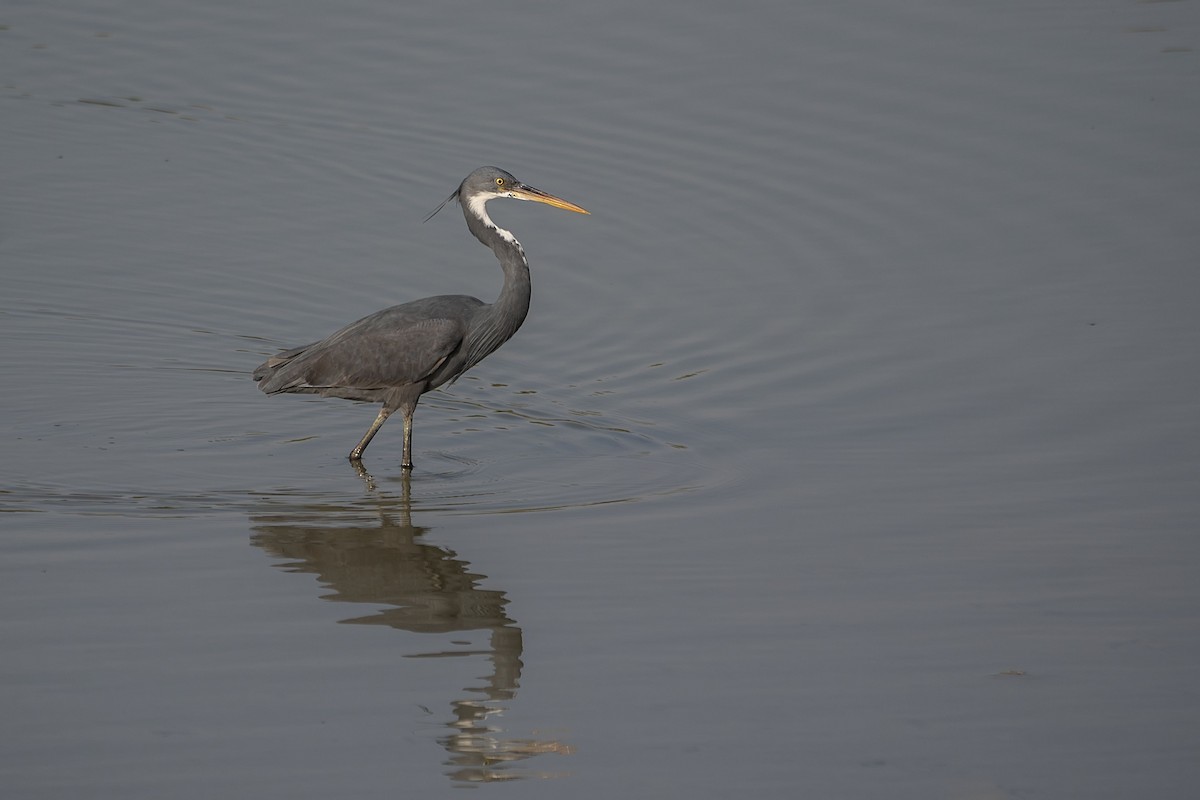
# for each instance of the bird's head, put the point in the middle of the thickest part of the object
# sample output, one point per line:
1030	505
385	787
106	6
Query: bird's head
489	183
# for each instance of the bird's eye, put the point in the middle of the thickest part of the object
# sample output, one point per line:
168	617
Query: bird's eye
499	181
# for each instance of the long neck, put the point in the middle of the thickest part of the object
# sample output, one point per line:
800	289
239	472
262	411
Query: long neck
502	319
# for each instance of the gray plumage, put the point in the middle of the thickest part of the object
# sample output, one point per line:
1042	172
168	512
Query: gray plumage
395	355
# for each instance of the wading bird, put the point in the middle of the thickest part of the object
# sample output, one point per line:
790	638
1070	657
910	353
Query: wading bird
396	355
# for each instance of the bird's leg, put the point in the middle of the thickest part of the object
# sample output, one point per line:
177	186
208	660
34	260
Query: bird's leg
356	453
408	417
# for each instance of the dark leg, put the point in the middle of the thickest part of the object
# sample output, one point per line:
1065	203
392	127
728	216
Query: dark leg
408	417
385	412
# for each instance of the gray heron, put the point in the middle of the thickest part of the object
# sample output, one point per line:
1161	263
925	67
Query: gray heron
398	354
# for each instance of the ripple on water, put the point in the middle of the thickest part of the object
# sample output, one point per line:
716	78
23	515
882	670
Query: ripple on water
486	451
535	455
445	483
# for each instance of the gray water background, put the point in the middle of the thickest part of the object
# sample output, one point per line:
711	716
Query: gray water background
850	448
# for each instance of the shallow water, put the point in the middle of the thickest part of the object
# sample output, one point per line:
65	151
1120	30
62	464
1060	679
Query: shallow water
850	447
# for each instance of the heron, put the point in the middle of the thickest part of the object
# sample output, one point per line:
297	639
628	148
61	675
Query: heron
398	354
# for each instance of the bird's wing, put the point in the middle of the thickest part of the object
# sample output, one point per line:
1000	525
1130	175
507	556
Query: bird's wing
264	370
381	357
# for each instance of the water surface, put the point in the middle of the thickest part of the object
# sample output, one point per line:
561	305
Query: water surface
849	448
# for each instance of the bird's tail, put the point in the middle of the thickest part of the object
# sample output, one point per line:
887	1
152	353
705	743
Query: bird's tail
267	372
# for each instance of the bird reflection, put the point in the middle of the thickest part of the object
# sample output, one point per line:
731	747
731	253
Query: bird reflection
370	552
